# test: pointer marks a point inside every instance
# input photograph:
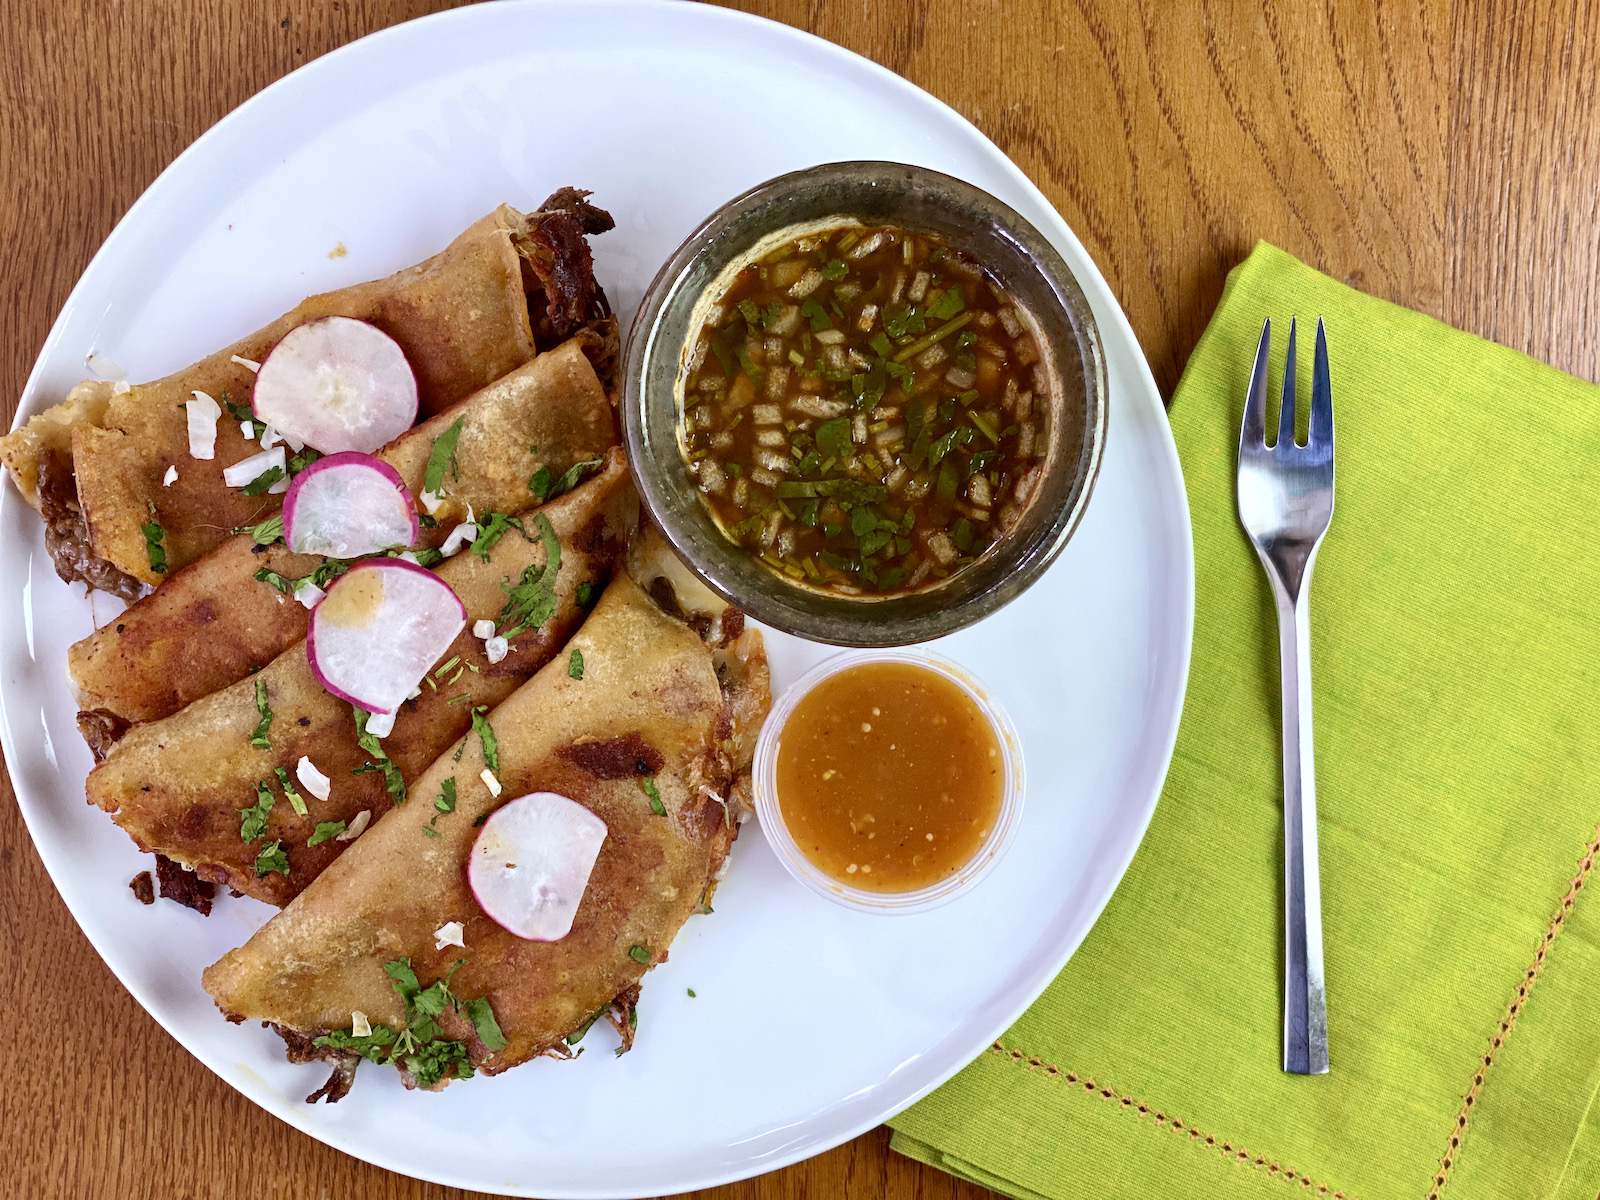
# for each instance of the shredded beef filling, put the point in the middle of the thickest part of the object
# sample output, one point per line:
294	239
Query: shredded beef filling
66	534
143	889
615	758
557	262
101	730
187	888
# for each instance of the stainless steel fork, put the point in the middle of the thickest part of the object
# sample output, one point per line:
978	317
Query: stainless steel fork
1285	503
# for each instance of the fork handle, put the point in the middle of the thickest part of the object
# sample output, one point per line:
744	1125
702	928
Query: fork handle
1305	1014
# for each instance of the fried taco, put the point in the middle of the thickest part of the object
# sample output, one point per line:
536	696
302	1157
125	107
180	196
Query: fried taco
388	956
530	434
97	464
217	787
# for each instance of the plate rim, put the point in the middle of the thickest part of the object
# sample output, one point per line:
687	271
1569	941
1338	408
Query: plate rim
846	61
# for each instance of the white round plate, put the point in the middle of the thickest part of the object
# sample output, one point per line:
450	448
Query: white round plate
809	1023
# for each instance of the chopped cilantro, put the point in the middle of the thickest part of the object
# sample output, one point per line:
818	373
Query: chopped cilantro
950	302
574	1038
691	993
575	664
585	594
263	481
272	858
532	601
442	455
324	831
906	378
445	801
299	462
816	314
490	530
295	802
639	954
282	583
154	535
539	484
264	534
253	819
648	783
243	412
491	744
835	269
258	739
429	831
482	1017
751	312
393	783
371	1047
748	364
833	437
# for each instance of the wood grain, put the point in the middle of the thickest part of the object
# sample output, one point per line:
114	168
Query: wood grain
1444	154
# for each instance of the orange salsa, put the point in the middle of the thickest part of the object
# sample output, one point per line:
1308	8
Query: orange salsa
889	776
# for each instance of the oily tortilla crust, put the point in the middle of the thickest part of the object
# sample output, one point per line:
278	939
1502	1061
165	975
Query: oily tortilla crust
176	785
211	623
646	675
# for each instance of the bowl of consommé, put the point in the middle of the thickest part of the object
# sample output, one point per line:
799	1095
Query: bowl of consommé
888	781
866	403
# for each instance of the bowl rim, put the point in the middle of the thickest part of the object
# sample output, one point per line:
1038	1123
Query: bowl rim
812	877
812	614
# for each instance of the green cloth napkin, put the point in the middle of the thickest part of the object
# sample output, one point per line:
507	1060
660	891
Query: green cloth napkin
1456	667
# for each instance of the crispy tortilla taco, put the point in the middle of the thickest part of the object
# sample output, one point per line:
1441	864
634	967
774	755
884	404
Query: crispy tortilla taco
186	786
514	443
388	955
97	465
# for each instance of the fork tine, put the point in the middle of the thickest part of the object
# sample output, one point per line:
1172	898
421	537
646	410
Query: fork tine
1252	436
1321	395
1286	410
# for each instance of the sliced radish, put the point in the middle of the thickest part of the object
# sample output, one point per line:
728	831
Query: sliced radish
337	384
532	862
346	505
382	625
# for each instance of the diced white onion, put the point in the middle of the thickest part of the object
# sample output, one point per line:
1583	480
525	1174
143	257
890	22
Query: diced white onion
270	437
121	387
430	501
359	1025
459	536
248	430
451	933
308	593
356	827
380	725
496	648
244	471
489	781
295	443
247	362
313	780
409	557
104	366
170	478
483	628
202	412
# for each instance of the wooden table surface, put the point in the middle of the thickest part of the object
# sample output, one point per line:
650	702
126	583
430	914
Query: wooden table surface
1445	155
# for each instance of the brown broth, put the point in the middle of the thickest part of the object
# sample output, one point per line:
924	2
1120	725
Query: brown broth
889	776
865	411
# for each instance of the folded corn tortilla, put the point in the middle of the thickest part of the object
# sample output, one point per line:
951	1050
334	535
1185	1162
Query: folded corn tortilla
213	622
177	786
649	707
462	318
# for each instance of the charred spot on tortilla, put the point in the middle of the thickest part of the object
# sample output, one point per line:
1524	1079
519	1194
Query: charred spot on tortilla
184	887
615	758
